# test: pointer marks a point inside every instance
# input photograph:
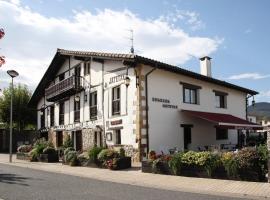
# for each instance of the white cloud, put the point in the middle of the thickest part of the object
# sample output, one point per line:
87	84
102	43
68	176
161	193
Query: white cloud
254	76
263	96
31	38
190	18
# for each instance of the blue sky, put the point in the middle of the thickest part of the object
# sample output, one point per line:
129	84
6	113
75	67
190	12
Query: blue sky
234	33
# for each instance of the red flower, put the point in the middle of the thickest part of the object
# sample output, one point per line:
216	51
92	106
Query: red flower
2	60
2	33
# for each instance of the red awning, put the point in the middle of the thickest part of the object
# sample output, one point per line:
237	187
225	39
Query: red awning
224	120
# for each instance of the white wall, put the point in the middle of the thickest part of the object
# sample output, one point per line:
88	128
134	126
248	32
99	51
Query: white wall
164	123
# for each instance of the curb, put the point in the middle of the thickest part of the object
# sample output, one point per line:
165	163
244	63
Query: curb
133	182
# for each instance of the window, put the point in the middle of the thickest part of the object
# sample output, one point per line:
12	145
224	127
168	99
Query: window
76	110
86	68
61	113
116	100
42	118
190	93
190	96
61	77
52	115
220	99
93	105
221	134
118	136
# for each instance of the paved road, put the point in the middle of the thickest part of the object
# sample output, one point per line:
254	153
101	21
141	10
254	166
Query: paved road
22	183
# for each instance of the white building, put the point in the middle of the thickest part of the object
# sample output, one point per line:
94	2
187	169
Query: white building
126	99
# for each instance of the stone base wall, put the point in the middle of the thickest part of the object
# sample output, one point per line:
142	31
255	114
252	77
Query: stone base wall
88	138
52	137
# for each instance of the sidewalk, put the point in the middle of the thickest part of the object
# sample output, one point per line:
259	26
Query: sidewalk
134	176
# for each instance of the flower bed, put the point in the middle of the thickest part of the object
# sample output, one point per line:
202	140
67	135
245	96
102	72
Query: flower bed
247	164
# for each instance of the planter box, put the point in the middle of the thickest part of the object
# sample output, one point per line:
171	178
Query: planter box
194	171
49	158
23	156
123	163
147	166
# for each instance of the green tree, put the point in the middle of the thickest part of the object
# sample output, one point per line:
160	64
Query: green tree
23	116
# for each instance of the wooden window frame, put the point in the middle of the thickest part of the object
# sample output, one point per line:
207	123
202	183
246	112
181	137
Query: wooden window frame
116	101
77	108
93	105
221	95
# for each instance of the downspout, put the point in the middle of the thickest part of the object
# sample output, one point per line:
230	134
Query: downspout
147	108
103	111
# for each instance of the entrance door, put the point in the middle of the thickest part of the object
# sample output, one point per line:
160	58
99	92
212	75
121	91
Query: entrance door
98	139
187	135
78	140
59	138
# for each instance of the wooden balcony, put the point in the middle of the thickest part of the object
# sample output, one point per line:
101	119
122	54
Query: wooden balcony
67	87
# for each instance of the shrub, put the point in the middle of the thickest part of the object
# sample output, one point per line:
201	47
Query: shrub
204	159
175	163
72	158
66	151
41	144
24	148
33	155
67	142
93	153
263	157
230	164
189	158
247	158
107	154
122	152
49	150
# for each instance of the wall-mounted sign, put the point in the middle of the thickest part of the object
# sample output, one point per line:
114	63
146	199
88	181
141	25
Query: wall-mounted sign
117	78
165	102
116	122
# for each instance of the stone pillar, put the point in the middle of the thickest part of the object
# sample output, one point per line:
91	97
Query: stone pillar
268	147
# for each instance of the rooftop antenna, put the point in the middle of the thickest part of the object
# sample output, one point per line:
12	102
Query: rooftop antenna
132	41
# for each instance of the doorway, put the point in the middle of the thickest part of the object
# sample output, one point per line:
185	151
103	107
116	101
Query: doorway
59	138
187	135
98	139
78	141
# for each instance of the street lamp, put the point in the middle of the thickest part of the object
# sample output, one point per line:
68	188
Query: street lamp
12	74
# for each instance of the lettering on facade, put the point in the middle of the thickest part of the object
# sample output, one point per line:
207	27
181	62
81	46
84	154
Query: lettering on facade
116	122
169	106
166	103
117	78
155	99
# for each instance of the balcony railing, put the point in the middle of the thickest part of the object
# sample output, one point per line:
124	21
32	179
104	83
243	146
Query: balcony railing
67	87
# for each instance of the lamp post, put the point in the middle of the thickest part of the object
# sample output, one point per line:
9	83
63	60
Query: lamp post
12	74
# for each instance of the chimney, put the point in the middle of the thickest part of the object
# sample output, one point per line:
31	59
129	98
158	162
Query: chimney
205	63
